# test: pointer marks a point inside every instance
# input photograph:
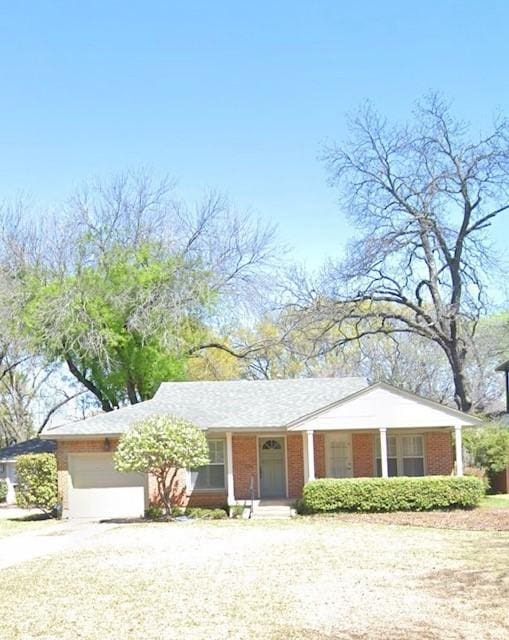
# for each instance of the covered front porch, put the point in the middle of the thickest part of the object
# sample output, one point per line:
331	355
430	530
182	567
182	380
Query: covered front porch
379	431
277	465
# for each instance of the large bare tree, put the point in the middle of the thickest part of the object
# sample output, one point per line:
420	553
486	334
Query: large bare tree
421	197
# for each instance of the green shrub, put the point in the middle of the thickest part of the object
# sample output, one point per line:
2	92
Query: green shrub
489	447
37	481
154	512
391	494
3	490
206	514
236	511
476	472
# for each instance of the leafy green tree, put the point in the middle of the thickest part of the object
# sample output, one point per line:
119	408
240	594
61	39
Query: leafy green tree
161	446
128	284
489	447
105	321
37	481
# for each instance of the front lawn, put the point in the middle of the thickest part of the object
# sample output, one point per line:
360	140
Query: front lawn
310	578
10	527
500	501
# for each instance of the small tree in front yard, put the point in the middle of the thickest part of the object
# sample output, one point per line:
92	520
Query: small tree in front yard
489	447
161	445
37	481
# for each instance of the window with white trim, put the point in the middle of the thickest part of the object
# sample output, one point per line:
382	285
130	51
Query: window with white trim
405	455
212	475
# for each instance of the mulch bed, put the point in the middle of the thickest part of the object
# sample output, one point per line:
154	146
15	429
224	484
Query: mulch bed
473	520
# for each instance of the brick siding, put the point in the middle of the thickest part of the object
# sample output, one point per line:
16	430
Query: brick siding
363	455
245	465
319	447
295	455
438	453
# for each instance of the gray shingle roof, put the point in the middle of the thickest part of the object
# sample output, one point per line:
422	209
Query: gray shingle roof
232	404
28	446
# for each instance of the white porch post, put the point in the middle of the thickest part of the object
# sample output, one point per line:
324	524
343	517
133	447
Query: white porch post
459	450
383	452
229	469
305	454
310	456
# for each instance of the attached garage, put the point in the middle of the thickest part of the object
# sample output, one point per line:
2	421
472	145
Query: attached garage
97	490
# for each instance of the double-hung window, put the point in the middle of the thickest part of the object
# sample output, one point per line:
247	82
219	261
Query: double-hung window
405	455
212	475
412	455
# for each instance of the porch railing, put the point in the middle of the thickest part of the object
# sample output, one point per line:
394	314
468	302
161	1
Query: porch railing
251	496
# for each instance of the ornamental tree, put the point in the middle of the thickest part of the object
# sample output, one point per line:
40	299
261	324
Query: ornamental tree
161	445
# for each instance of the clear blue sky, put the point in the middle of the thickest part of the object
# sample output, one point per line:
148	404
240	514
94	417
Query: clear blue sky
232	95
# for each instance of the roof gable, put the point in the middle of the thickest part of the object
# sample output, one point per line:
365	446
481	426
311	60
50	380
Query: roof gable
382	405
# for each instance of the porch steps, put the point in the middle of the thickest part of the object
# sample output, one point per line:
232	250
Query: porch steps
268	510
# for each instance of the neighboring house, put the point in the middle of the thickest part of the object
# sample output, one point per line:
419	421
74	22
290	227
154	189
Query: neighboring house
266	438
8	456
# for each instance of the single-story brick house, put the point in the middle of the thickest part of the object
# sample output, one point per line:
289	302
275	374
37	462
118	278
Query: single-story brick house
266	436
9	455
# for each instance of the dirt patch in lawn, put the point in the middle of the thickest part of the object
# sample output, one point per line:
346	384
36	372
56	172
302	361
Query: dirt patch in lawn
472	520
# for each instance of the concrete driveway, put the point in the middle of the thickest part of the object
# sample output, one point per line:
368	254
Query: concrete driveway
50	540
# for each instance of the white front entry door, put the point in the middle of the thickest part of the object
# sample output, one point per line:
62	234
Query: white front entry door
272	468
338	451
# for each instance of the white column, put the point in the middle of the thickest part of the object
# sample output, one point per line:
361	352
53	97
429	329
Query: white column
305	454
229	468
459	450
383	452
310	450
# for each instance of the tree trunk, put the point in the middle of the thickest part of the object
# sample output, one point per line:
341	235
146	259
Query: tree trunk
131	391
165	483
461	390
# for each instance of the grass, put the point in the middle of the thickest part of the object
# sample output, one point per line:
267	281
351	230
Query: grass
312	578
10	527
500	501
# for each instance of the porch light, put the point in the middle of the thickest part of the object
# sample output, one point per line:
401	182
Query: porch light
106	444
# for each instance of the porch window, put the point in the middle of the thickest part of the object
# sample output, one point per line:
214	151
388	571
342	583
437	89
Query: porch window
212	475
405	456
413	456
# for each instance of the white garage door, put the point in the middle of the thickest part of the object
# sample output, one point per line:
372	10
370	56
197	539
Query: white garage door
98	491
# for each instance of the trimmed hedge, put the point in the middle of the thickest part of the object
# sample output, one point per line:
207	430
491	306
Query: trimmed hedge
391	494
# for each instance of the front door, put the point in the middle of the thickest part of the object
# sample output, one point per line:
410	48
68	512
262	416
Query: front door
272	468
339	455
